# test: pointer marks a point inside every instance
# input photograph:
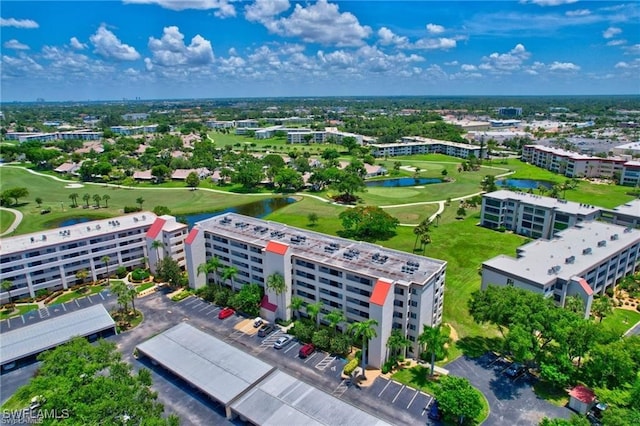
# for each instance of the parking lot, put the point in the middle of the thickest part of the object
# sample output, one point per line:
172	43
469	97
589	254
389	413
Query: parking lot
402	397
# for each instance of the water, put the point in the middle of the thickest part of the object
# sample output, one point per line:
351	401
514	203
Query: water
258	209
405	181
523	183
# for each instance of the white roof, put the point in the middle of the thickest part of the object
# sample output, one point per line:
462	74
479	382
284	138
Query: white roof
570	207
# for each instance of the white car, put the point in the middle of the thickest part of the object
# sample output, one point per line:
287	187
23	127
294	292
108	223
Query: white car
257	322
283	341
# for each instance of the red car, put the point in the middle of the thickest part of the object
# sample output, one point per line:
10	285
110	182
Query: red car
226	313
306	350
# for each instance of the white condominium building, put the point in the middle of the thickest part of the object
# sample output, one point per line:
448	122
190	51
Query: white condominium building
51	259
399	290
532	215
581	261
411	145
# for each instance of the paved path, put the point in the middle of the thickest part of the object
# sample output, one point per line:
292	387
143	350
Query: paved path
18	218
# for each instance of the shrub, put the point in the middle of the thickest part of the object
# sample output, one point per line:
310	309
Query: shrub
222	296
321	339
121	272
303	331
340	344
139	275
350	367
132	209
387	366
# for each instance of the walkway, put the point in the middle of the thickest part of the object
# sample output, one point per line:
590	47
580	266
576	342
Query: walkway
18	218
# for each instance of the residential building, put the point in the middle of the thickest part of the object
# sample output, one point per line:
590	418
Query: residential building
399	290
134	130
581	261
50	260
532	215
411	145
135	116
630	174
627	214
216	124
48	137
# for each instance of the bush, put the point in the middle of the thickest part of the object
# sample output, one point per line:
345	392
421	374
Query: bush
139	275
387	366
222	296
207	292
303	331
340	344
132	209
121	272
350	367
321	339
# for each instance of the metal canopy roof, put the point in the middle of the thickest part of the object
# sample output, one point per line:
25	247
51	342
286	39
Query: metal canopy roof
36	338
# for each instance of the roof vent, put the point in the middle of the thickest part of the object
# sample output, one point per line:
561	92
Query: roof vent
570	259
627	230
614	237
602	243
587	250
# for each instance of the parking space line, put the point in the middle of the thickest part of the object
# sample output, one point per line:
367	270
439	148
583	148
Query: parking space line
385	388
398	394
325	362
64	307
205	307
77	304
192	299
424	410
215	308
90	300
23	320
310	356
101	295
291	346
412	399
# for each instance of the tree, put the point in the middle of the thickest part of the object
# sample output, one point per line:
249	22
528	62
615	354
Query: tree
296	304
313	218
39	201
457	399
368	223
365	330
489	183
157	245
276	283
192	180
433	342
119	288
397	344
350	143
6	286
574	304
229	273
74	199
16	193
140	201
169	271
106	260
210	266
106	198
82	275
248	173
86	198
601	307
347	183
335	317
132	293
160	172
461	212
288	179
97	198
313	310
161	210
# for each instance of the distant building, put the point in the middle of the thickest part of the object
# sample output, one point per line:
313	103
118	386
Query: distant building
86	135
135	116
510	111
411	145
134	130
504	123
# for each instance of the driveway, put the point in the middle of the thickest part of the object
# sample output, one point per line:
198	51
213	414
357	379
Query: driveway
511	402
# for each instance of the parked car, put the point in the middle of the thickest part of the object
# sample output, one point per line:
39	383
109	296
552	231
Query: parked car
266	330
258	322
515	370
226	313
306	350
434	411
283	341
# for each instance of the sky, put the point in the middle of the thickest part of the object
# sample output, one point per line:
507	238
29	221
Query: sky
176	49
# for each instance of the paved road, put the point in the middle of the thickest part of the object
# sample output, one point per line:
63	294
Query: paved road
16	221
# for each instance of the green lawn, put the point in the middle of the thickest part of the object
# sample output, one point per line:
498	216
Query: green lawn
621	320
21	310
6	219
145	286
75	294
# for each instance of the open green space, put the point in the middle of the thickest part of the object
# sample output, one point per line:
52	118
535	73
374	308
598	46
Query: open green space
142	287
275	144
6	219
75	294
19	310
621	320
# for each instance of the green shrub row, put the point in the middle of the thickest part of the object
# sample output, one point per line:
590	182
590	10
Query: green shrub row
350	367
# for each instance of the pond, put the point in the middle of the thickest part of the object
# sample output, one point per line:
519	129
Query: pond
258	209
405	181
523	183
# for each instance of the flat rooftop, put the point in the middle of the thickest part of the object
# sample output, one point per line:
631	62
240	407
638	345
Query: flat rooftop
630	208
363	258
281	399
562	152
36	338
564	206
215	367
572	252
79	231
419	140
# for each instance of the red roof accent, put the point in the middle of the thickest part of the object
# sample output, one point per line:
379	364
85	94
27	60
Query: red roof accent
583	394
380	291
155	228
191	236
268	305
277	248
585	286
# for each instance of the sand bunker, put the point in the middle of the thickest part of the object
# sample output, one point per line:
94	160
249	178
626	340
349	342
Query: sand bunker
74	186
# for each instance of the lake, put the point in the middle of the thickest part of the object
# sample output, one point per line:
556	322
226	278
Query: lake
404	181
523	183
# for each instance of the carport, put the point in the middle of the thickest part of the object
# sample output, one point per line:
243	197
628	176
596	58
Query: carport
33	339
216	368
281	399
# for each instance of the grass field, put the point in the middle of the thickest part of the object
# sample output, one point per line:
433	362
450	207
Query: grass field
621	320
6	219
20	310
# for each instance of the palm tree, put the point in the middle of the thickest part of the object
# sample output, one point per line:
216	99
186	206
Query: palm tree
433	341
140	201
574	304
210	266
425	239
6	285
120	289
132	293
106	198
106	260
86	198
296	304
97	198
365	330
157	244
276	283
313	309
335	317
82	275
229	273
397	342
74	199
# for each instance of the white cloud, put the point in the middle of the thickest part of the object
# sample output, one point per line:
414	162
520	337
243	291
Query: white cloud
435	43
468	67
435	29
452	63
18	23
223	7
618	42
388	37
77	44
320	23
170	50
632	50
548	2
109	46
578	12
367	59
19	66
611	32
264	11
635	64
563	66
15	44
64	62
506	62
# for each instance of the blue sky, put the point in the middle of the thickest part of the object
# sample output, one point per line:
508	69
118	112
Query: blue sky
100	50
